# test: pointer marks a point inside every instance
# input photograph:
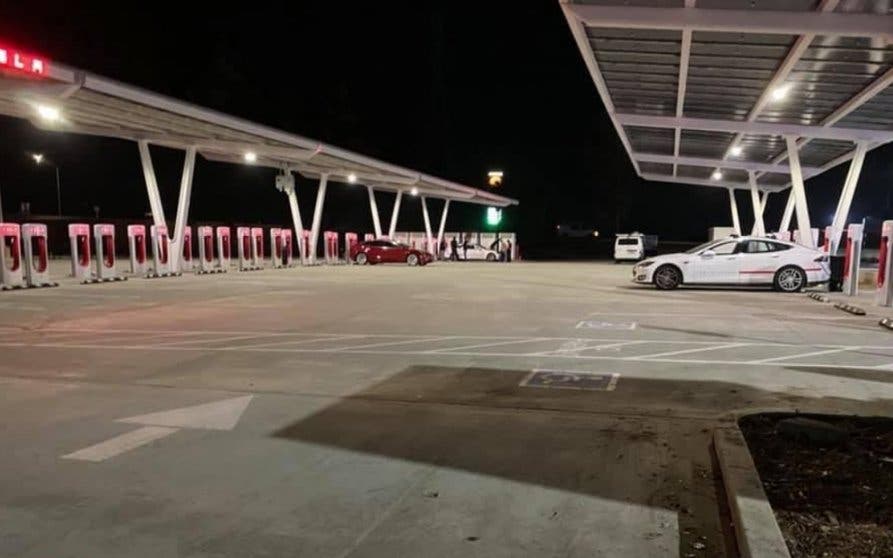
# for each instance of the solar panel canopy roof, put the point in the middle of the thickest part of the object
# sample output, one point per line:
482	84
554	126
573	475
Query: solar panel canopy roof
704	92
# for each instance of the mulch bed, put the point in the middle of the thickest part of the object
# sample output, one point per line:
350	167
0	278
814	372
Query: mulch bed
830	482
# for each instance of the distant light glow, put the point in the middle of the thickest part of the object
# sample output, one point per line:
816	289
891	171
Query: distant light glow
38	157
48	113
414	191
494	216
352	178
717	175
250	157
781	92
736	151
494	178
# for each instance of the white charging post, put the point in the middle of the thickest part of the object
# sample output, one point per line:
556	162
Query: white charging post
852	259
224	248
161	252
288	247
37	261
136	243
79	239
884	295
186	263
276	247
11	257
257	247
104	248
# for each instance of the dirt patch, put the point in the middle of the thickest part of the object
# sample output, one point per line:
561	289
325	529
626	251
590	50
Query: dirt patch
829	480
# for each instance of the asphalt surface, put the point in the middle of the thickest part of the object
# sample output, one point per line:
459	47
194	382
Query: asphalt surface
453	410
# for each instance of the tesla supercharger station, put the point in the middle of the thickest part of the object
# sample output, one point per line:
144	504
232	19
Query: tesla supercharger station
813	232
350	240
246	249
224	248
37	261
276	247
136	243
186	263
288	247
79	238
104	249
826	242
884	296
11	257
206	261
852	260
257	247
783	235
305	239
161	251
331	247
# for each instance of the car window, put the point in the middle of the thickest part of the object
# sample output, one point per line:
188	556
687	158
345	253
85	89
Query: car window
725	248
628	241
778	246
756	247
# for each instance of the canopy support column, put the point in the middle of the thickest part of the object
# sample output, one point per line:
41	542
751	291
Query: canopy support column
394	214
183	207
296	220
799	192
733	206
443	218
788	212
317	216
759	227
428	236
846	196
374	207
151	185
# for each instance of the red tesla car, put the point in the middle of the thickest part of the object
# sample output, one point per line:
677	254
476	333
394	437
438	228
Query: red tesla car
388	251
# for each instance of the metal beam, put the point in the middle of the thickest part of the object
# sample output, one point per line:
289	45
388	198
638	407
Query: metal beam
719	163
183	207
733	206
376	223
759	228
296	220
755	128
734	21
427	220
317	216
799	191
395	214
846	197
693	181
443	219
684	56
785	224
151	185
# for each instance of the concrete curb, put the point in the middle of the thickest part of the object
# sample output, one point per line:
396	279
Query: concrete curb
849	308
756	531
818	296
886	322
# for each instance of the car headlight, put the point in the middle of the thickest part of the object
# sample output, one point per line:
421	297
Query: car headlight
645	264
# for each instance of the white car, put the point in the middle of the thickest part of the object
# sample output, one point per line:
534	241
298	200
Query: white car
478	252
786	266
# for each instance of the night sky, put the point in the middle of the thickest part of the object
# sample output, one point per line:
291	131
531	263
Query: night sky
450	88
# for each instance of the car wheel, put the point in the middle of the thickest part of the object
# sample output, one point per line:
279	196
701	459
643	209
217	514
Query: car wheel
412	260
789	279
361	258
491	257
667	277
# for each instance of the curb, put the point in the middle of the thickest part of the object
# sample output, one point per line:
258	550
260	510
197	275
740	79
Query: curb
849	308
887	323
756	532
818	296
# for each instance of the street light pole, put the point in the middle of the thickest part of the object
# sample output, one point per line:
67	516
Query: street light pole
58	192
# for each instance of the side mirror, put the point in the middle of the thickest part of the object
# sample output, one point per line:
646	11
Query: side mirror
708	254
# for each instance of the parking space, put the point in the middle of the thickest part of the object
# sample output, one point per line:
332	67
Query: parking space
384	411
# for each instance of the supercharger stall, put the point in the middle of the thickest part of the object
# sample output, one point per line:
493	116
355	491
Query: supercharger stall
105	258
331	247
350	240
36	264
288	247
243	240
257	247
207	263
161	253
852	259
276	248
368	237
137	249
224	248
11	257
79	240
186	260
884	294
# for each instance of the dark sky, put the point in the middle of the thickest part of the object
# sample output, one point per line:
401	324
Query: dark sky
450	88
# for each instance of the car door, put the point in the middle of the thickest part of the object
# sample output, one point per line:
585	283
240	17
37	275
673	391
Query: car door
757	262
395	252
716	264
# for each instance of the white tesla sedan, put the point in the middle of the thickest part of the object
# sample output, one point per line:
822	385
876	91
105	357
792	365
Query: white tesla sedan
786	266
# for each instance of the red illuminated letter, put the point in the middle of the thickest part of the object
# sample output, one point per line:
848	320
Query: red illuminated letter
17	61
4	57
37	66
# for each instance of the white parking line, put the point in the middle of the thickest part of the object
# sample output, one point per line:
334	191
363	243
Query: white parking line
390	343
303	341
580	349
816	353
484	345
686	351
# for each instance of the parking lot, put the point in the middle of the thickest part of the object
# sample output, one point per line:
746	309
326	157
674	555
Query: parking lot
462	409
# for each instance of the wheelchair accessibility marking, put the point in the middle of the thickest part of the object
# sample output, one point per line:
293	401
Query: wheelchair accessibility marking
570	379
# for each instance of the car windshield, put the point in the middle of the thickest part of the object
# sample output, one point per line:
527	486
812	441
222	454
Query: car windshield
628	241
700	247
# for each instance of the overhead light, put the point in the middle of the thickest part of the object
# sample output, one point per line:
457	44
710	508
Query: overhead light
352	178
781	92
414	191
494	178
717	175
250	157
736	151
38	157
48	113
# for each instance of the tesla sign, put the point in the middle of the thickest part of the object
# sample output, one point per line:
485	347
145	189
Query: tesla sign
18	61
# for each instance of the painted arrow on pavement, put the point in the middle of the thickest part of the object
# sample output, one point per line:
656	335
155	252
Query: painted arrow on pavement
218	415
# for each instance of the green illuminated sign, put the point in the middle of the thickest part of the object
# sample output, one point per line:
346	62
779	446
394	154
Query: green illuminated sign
494	216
